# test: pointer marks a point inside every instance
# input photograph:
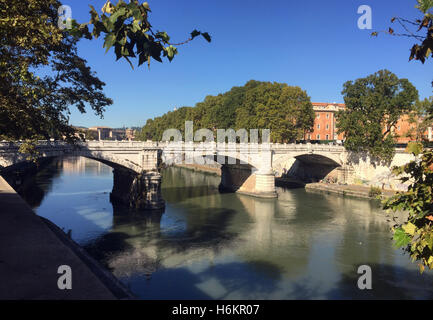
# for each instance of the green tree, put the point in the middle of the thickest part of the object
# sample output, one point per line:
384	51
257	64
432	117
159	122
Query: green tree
373	106
286	110
37	107
420	119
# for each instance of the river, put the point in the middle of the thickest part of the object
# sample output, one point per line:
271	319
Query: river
208	245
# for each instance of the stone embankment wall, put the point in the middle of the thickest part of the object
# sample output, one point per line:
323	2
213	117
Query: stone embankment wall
364	171
358	169
210	168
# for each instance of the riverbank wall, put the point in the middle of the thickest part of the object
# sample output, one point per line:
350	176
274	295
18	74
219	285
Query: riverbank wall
32	249
211	168
350	190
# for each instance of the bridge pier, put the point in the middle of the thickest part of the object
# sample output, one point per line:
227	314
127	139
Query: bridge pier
265	185
137	190
241	179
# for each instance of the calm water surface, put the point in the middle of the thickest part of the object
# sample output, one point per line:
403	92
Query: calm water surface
207	245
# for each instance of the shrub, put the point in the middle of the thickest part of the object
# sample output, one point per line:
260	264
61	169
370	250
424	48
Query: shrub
374	192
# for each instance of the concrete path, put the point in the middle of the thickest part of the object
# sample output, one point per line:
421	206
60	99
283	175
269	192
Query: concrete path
31	252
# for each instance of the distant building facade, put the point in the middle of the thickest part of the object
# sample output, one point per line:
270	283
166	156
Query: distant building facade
325	126
325	122
107	133
130	134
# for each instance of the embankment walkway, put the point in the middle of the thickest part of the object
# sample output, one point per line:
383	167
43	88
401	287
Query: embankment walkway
31	250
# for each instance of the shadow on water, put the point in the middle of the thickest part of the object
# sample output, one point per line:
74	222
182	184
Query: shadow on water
24	179
135	244
127	224
209	231
388	282
230	280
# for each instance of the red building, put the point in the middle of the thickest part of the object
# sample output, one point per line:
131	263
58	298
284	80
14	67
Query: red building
325	125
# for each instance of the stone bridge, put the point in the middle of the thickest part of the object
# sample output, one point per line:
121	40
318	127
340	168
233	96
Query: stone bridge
245	168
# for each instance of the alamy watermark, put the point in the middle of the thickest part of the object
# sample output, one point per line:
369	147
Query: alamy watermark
365	21
65	17
64	282
365	280
200	147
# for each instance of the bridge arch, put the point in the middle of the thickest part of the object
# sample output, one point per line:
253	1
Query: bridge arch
308	167
137	182
236	174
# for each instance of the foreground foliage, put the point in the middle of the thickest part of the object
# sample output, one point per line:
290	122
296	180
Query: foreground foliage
420	29
415	235
126	27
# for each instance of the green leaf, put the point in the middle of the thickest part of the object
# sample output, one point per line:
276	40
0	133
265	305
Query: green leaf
124	52
206	36
430	261
424	5
430	241
195	33
409	228
107	23
401	238
146	6
155	51
135	26
110	38
171	52
118	51
98	28
119	13
136	13
164	36
94	15
142	58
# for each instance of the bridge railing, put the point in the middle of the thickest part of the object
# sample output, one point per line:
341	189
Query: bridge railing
181	144
41	143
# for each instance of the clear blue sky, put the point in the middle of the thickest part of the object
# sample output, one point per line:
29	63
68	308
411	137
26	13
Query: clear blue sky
312	44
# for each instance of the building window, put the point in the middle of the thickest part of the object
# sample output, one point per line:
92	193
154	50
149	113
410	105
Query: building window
327	116
318	115
327	137
327	126
318	137
318	126
309	137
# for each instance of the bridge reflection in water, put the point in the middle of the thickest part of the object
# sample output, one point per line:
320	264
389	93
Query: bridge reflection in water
208	244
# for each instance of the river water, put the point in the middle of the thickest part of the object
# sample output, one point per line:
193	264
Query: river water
208	245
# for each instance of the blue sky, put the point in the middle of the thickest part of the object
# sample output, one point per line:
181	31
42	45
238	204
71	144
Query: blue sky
312	44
